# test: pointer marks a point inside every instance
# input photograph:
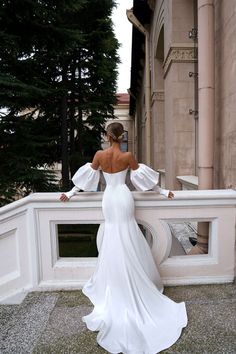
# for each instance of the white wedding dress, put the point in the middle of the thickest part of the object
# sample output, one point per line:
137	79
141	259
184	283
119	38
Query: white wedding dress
130	313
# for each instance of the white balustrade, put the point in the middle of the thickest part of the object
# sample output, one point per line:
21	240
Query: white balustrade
29	257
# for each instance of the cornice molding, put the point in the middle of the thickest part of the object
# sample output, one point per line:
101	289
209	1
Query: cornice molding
181	54
158	95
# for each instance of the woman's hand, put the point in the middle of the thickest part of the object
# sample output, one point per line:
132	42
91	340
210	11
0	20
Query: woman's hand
64	198
171	195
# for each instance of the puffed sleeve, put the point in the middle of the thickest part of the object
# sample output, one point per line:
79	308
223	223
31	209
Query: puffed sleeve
86	178
145	178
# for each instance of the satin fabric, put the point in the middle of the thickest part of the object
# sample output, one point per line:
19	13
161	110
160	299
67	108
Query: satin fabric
130	313
86	178
144	178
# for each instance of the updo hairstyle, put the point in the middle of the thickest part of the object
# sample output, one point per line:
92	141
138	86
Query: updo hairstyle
115	131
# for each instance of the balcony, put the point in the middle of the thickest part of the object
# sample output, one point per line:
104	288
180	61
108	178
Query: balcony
29	246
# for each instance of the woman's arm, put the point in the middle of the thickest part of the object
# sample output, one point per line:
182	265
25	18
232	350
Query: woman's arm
65	197
94	165
132	161
167	193
96	160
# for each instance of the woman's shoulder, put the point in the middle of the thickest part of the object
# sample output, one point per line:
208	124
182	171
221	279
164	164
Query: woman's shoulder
99	154
133	164
127	154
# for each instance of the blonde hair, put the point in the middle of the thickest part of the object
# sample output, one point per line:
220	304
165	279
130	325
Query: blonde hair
115	131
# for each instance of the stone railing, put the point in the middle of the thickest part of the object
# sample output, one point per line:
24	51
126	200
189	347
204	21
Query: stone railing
29	257
189	182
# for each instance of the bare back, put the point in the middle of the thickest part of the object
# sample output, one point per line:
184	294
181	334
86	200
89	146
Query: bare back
114	160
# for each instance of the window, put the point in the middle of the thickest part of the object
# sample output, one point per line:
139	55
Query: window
124	144
77	240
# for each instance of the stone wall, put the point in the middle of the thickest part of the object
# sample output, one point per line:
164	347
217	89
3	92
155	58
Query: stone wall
140	116
225	76
174	128
174	132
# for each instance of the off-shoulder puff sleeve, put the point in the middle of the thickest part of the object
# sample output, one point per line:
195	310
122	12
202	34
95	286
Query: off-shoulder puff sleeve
86	178
145	178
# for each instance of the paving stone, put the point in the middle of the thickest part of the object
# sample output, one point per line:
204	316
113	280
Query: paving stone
211	329
6	313
201	292
51	322
72	298
22	331
64	328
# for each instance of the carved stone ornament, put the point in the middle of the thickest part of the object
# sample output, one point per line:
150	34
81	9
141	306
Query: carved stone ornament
151	4
178	55
158	96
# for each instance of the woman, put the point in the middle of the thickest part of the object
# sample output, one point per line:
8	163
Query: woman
130	312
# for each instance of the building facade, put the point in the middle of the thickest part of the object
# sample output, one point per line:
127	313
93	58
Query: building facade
121	113
183	90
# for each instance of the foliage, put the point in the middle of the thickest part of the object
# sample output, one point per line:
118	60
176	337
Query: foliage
24	148
57	87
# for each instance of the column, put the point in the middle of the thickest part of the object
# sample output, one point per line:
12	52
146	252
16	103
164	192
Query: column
206	107
206	90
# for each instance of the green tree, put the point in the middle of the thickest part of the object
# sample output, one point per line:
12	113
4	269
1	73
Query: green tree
57	87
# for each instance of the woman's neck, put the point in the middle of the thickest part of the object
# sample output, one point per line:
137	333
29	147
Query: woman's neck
115	145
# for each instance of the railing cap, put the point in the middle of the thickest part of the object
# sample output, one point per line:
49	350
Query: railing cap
220	195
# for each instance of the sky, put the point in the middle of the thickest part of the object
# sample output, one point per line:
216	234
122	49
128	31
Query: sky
123	32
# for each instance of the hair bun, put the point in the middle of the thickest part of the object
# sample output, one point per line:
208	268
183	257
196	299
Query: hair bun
115	131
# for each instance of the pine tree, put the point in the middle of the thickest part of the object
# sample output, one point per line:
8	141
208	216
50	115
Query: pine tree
57	87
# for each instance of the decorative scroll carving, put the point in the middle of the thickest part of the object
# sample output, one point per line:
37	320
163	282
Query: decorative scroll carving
178	55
